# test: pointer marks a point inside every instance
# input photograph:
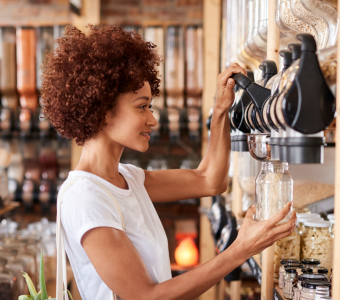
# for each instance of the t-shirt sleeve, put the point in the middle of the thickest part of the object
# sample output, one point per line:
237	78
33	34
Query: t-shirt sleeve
136	172
85	206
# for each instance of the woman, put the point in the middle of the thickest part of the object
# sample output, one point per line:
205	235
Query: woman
98	90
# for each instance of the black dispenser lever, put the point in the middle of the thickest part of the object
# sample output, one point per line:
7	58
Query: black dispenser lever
257	93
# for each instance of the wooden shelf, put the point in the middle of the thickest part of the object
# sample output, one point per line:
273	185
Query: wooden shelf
8	209
278	293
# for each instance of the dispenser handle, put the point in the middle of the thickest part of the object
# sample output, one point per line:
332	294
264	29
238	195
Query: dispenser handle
242	80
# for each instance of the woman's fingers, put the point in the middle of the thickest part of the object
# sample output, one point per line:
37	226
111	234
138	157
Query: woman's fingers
250	213
280	215
225	75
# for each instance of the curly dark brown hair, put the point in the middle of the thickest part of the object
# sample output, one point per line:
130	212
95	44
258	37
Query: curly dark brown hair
84	75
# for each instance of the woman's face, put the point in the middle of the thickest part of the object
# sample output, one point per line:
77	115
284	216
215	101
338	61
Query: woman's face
130	125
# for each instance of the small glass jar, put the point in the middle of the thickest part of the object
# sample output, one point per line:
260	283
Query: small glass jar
281	270
311	289
288	247
310	263
273	190
289	278
306	277
317	242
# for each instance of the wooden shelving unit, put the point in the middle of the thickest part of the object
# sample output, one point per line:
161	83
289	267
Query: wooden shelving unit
8	209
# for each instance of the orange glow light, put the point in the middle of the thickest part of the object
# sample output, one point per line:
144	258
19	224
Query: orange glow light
186	253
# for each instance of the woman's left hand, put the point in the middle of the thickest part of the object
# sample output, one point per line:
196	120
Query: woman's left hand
225	87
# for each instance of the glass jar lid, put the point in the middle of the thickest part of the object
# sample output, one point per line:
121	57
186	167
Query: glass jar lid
322	270
304	215
330	216
287	266
304	277
313	284
291	270
287	261
319	224
310	261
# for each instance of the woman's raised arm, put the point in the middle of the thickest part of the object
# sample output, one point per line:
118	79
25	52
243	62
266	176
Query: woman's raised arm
211	177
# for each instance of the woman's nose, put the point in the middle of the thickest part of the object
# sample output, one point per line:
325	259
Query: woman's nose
152	121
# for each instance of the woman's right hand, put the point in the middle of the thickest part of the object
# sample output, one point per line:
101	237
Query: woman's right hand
253	237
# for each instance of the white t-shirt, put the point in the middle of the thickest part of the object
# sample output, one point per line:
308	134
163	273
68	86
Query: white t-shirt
86	205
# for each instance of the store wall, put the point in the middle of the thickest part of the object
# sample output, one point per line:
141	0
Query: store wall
34	12
140	11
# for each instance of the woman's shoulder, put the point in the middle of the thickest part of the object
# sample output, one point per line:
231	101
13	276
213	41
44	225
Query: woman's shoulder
132	172
80	189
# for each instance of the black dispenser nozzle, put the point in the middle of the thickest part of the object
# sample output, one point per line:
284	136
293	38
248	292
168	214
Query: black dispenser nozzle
287	59
296	50
309	105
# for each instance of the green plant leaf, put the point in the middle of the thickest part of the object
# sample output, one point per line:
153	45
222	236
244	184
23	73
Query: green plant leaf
69	294
38	296
25	297
42	279
30	285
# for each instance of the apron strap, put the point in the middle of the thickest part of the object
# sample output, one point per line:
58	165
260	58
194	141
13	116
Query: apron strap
61	254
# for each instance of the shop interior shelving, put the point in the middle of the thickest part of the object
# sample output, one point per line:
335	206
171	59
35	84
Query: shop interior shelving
213	38
7	210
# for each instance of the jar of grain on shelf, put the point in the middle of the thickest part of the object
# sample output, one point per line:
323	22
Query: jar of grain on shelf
317	242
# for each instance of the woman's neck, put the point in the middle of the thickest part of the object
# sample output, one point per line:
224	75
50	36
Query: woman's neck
101	158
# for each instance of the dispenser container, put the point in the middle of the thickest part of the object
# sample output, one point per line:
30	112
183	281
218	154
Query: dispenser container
298	9
174	67
155	34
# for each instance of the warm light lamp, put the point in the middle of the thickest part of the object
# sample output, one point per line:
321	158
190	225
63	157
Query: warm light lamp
186	253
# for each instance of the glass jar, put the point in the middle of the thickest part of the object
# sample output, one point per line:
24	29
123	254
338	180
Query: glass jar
306	277
310	263
317	242
281	270
288	247
289	278
312	288
273	190
7	286
248	170
302	221
332	221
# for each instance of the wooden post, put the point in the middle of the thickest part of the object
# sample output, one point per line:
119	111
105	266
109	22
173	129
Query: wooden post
90	14
336	249
211	37
273	43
